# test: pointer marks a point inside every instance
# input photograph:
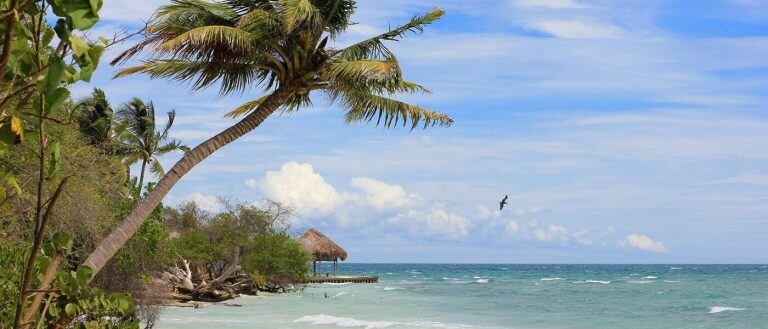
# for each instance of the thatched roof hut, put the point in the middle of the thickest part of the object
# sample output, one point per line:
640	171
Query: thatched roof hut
321	247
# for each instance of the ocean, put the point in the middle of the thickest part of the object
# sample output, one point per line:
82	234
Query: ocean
507	296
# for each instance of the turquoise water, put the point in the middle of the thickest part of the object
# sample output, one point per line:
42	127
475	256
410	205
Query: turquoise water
508	296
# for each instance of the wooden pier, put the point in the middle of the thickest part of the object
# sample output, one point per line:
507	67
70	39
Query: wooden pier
344	279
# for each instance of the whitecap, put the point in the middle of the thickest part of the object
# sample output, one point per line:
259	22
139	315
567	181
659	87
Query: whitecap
551	279
650	277
670	281
641	281
718	309
336	284
339	294
324	319
675	268
393	288
343	322
595	281
482	280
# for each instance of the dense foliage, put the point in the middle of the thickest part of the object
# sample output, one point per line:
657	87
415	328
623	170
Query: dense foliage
254	235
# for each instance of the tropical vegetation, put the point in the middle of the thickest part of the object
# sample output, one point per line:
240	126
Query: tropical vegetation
84	243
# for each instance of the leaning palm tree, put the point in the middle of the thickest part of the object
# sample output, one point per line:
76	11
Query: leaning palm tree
283	47
141	141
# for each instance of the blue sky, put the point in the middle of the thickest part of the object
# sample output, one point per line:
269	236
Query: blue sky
623	132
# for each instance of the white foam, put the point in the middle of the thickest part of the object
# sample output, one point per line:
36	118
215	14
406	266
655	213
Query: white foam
482	280
593	281
339	294
670	281
551	279
718	309
641	281
343	322
336	284
393	288
675	268
324	319
650	277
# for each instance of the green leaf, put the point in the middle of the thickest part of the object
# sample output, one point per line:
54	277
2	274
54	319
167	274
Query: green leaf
84	275
54	163
13	184
70	309
78	45
62	241
55	73
55	98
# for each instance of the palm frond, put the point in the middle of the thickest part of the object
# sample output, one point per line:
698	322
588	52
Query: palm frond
374	47
245	108
156	168
364	70
233	76
295	13
389	112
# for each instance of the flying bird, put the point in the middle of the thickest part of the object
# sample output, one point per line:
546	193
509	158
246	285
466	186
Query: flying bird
503	202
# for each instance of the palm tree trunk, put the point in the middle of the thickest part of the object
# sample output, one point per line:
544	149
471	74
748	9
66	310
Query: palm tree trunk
141	176
109	246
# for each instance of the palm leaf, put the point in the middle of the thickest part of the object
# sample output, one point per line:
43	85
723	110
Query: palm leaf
374	47
245	108
389	112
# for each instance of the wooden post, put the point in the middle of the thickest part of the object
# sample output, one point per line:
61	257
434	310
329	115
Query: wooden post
314	267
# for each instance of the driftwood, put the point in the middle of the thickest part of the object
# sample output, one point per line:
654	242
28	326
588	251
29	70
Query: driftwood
198	285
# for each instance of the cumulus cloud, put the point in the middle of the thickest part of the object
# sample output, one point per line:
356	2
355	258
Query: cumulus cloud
206	202
512	226
435	222
301	187
553	233
373	202
382	196
644	243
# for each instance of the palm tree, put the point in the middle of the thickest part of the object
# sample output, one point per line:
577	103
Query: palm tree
282	47
140	142
95	119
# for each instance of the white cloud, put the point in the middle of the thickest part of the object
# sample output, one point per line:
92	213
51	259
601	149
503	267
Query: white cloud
552	233
749	178
435	222
512	226
301	187
644	243
382	196
574	29
206	202
580	236
553	4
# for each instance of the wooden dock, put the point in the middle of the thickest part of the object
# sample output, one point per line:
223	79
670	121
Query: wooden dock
344	279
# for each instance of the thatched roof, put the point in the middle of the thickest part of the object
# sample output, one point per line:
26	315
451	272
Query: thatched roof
321	247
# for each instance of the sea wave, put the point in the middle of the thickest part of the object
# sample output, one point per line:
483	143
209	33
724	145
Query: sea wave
649	277
671	281
393	288
336	284
482	280
718	309
641	281
551	279
324	319
675	268
593	281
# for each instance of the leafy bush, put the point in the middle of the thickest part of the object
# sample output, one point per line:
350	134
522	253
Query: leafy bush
277	257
